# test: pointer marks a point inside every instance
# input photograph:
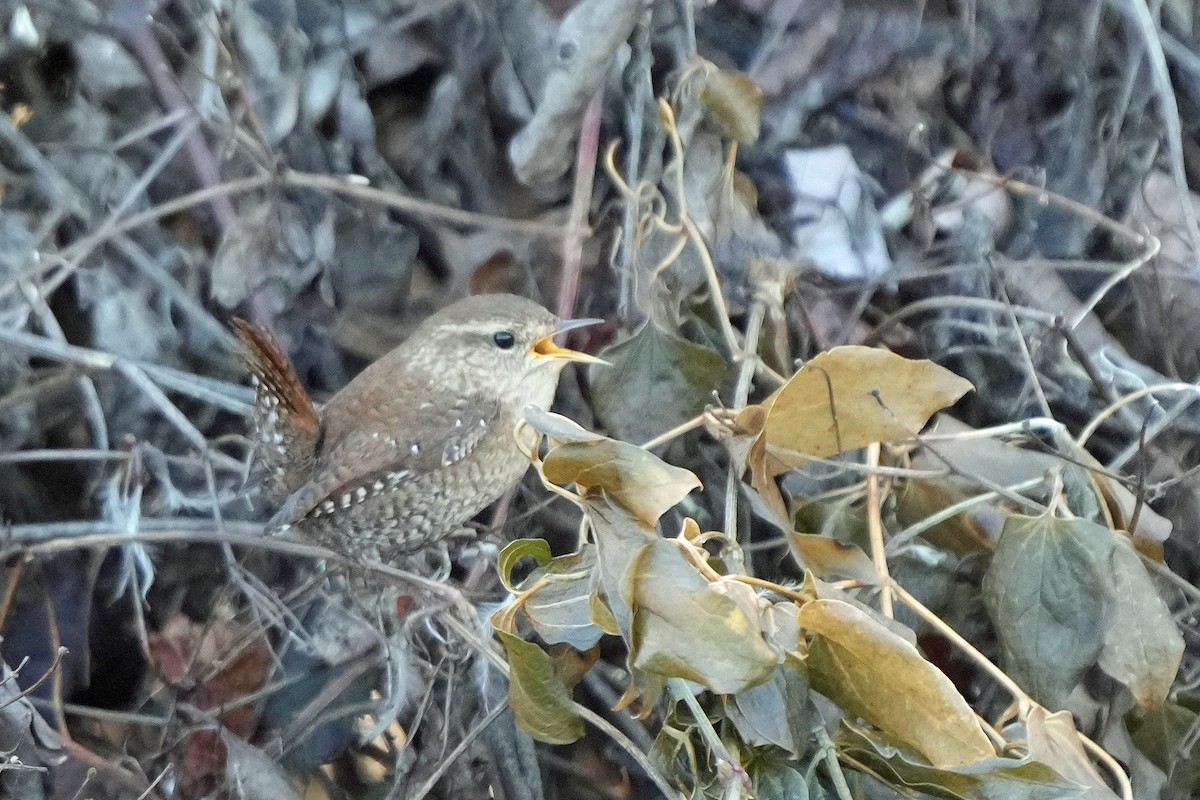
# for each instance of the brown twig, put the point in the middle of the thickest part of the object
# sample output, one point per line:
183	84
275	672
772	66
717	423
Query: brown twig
581	201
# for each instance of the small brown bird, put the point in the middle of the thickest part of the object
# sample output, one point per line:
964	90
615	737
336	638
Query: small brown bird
418	443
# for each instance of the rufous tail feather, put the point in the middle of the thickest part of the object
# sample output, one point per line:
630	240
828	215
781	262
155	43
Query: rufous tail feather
286	425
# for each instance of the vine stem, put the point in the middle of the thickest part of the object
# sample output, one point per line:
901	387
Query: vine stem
875	531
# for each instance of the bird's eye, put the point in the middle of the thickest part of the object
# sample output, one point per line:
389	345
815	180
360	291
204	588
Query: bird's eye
504	340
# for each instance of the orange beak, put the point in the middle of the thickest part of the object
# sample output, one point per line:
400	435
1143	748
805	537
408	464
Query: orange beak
546	348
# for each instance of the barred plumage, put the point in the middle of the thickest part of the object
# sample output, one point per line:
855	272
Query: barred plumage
418	443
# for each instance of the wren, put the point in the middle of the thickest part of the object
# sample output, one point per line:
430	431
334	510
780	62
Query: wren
420	441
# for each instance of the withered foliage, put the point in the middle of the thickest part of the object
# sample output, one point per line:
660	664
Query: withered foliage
888	488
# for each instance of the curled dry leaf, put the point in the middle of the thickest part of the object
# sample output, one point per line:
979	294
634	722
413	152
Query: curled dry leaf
849	397
735	102
987	779
557	428
675	621
875	674
1054	741
685	627
556	596
633	477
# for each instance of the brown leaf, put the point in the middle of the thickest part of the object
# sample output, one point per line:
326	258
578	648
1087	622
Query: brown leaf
1054	741
825	557
873	673
635	478
685	627
735	102
849	397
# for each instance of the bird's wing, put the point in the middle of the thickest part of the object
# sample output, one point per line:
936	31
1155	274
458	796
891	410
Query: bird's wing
372	456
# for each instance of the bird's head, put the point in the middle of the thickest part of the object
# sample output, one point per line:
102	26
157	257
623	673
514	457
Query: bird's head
498	343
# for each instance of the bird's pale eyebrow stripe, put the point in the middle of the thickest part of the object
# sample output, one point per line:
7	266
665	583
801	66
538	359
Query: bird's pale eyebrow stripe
478	327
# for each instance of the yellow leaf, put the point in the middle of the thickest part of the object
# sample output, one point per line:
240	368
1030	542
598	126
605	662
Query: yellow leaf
636	479
849	397
873	673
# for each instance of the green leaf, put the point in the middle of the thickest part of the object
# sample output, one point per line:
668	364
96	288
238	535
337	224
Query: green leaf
1142	646
636	479
686	627
1160	732
849	397
538	698
735	102
775	779
657	381
988	779
873	673
778	712
1165	736
1048	596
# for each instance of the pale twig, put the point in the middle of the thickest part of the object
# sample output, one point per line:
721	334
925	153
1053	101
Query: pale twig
638	73
666	116
830	758
728	766
167	770
949	512
741	393
1045	424
875	531
93	410
356	187
173	206
1153	245
949	302
55	664
1110	763
218	393
1043	196
184	300
135	34
1026	357
1024	703
135	191
1147	29
680	429
1113	408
